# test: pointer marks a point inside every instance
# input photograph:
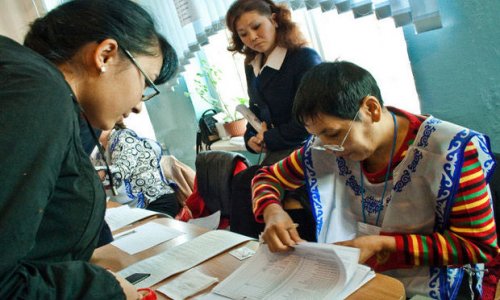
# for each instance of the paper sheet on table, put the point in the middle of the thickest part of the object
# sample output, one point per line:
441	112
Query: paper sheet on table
211	222
187	284
184	256
311	271
121	216
144	237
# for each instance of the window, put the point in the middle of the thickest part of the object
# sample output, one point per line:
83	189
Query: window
376	45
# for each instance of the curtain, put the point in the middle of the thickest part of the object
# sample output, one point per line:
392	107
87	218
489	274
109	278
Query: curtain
188	24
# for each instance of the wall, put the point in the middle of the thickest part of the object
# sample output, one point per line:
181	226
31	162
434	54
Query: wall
457	68
16	16
174	122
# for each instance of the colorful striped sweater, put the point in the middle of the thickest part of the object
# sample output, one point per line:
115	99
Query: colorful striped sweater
471	235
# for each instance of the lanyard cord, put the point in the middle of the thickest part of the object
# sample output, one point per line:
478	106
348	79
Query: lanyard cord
103	155
381	202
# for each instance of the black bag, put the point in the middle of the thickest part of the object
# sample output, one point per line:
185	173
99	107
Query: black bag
207	132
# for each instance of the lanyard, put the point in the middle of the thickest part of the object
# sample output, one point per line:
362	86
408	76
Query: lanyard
381	202
101	150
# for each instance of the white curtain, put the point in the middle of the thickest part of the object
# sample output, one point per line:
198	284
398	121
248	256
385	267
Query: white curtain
188	24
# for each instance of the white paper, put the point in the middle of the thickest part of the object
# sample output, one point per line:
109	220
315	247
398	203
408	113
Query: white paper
144	237
211	296
211	222
310	271
184	256
242	253
187	284
250	116
118	217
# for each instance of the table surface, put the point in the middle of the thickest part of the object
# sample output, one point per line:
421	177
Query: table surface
381	287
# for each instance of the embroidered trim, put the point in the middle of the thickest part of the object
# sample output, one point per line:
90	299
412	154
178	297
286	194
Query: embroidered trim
312	183
428	130
412	167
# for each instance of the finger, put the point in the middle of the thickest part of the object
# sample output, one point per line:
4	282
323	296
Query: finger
294	234
285	237
274	243
344	243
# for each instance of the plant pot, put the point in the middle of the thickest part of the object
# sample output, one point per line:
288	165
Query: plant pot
236	128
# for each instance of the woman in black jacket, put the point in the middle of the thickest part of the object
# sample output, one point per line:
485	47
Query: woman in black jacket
96	57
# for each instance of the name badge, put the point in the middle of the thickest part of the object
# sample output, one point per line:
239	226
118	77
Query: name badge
367	229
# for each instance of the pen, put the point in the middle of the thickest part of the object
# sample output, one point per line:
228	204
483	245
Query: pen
124	234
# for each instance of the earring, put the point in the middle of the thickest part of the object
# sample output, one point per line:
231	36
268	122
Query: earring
103	69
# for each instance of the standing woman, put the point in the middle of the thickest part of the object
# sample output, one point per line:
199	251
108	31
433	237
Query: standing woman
99	57
275	61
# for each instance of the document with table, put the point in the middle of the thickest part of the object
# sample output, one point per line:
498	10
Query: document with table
310	271
242	266
184	256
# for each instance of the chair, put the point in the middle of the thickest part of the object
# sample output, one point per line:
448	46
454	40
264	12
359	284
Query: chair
212	189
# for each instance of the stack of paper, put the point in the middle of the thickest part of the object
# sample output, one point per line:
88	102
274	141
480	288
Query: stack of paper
311	271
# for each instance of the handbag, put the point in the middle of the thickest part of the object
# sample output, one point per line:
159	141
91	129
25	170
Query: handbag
207	131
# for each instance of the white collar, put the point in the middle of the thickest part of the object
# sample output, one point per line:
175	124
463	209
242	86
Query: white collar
275	60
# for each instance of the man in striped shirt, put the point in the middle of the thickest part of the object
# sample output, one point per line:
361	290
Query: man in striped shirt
410	191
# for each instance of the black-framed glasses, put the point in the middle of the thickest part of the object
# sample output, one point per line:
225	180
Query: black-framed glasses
338	148
151	90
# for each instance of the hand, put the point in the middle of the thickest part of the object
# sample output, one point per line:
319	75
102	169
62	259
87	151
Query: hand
102	174
129	289
260	134
255	144
280	232
379	245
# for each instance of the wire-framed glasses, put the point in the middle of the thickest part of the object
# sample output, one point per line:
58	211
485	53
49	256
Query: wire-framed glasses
151	90
337	148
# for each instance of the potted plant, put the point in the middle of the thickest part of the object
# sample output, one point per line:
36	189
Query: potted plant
234	124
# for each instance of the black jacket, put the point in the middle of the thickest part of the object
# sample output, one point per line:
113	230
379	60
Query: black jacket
51	201
271	99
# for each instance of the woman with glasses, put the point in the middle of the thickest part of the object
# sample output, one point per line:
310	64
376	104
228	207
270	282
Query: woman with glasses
276	58
410	191
99	58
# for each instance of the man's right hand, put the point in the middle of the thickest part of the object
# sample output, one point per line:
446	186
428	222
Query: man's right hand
280	232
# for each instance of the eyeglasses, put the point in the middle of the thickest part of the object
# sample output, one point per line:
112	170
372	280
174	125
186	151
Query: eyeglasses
337	148
151	90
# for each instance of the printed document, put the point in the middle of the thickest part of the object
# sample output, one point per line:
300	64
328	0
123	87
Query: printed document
184	256
310	271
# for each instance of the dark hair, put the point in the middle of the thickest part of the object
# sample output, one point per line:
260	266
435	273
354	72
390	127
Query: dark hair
288	34
64	30
334	88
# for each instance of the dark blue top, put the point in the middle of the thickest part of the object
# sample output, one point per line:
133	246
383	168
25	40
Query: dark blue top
272	94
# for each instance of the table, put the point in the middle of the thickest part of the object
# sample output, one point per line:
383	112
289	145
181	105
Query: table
382	287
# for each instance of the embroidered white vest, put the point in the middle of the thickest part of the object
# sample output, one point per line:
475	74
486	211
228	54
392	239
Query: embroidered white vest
418	201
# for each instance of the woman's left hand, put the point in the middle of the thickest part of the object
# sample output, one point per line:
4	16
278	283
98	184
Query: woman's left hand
371	245
260	134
